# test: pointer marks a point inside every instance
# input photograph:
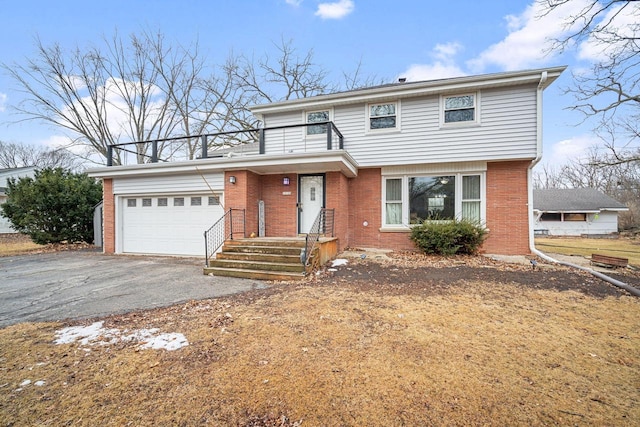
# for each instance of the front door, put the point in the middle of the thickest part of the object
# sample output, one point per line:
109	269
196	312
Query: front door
310	201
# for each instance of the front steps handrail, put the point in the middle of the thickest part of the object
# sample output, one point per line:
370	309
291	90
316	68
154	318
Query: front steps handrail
323	225
232	222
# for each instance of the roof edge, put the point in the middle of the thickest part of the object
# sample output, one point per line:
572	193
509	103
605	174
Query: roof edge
417	88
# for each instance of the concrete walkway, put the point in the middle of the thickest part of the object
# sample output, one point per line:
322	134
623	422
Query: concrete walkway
74	285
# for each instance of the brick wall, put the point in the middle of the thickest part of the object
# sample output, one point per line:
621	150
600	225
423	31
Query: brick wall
281	214
108	217
337	198
365	201
244	194
507	208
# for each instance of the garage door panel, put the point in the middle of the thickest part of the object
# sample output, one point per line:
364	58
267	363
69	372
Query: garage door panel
166	228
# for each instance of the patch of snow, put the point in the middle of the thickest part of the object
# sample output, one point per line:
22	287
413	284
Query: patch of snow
97	334
172	341
339	262
39	383
25	383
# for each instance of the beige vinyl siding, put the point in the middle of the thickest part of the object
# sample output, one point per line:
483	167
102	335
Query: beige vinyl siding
506	129
169	184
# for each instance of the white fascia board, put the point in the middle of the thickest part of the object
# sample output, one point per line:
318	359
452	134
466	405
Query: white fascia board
262	164
614	209
402	90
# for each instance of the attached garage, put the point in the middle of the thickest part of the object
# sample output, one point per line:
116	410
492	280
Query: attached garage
167	224
167	216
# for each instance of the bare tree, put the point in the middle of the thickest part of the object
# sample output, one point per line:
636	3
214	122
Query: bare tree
283	77
608	33
546	176
603	171
146	91
139	90
19	155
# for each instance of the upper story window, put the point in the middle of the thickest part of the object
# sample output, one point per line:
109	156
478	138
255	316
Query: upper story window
317	117
460	109
383	116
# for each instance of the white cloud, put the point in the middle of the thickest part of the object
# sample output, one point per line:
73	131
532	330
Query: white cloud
3	101
443	65
337	10
293	2
526	44
621	21
574	148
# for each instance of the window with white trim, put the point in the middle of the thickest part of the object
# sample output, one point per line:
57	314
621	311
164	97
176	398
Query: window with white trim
317	117
471	198
393	202
383	116
459	109
431	198
414	199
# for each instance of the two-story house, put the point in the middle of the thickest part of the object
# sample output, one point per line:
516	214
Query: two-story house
380	158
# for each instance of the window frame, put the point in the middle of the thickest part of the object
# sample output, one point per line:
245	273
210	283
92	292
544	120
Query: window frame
305	118
396	128
458	193
476	110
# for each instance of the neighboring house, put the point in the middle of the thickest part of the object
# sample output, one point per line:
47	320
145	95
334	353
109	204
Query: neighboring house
5	175
575	212
391	156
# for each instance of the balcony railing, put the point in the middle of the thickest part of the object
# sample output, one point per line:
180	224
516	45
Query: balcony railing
269	140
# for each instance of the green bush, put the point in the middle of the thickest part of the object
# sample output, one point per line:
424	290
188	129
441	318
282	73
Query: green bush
448	237
54	206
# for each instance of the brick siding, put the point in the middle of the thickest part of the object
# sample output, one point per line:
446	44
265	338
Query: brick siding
507	208
108	217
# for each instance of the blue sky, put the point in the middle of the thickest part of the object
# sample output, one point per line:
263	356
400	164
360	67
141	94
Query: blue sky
417	39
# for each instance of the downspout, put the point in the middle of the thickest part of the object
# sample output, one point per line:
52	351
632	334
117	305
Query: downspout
532	245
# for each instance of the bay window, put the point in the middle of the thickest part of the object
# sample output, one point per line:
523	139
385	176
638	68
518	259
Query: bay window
416	199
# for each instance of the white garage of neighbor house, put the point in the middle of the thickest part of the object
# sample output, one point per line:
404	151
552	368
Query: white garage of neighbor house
167	215
575	212
5	174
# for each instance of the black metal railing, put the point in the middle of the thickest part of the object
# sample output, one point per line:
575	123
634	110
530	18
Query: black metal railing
322	226
220	144
232	224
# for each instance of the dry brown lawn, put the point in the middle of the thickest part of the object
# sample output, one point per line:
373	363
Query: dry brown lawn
419	342
15	244
622	247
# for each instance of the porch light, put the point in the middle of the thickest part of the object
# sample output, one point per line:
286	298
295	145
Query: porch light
232	179
286	181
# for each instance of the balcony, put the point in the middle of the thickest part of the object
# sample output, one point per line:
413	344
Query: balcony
297	139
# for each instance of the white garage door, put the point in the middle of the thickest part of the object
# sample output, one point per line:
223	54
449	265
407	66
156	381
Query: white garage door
168	225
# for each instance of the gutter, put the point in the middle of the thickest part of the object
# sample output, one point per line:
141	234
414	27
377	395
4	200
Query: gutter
532	246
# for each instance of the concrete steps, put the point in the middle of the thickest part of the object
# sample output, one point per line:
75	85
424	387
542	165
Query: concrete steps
260	258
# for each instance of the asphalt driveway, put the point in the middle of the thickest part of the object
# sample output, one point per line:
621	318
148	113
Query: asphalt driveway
74	285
